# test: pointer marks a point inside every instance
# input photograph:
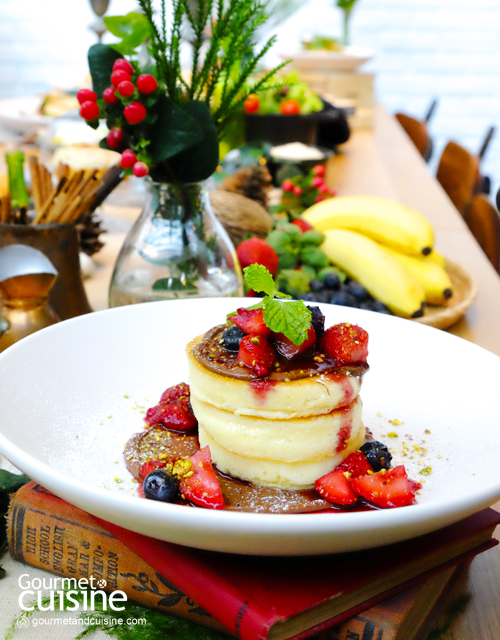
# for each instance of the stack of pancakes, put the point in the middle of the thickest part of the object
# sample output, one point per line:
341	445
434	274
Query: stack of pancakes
276	433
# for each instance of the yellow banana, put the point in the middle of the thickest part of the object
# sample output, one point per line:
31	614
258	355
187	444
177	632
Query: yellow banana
434	279
380	273
386	221
437	257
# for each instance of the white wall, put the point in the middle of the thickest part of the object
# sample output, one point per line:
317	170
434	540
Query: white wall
448	49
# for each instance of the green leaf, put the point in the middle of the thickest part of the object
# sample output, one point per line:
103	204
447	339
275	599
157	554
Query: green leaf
314	257
133	29
313	237
293	281
258	278
175	131
175	284
101	59
11	482
200	161
292	318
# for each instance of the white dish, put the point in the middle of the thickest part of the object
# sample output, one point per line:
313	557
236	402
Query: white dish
347	59
67	408
23	114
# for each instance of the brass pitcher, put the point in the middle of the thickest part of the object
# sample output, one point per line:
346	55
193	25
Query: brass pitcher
26	278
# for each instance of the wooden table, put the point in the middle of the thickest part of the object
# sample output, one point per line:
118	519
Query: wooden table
383	162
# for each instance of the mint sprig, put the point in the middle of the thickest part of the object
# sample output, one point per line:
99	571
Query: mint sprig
290	317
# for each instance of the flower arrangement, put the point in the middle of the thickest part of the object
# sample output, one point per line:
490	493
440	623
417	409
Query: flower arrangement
167	123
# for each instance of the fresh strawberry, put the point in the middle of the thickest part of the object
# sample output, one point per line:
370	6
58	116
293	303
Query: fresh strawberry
345	343
202	487
289	350
256	250
386	488
356	464
176	415
256	352
147	467
302	224
251	321
175	392
335	488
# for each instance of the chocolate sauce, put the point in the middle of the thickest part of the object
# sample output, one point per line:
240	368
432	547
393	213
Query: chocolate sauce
210	352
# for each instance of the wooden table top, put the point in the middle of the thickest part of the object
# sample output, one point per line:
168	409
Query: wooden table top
383	162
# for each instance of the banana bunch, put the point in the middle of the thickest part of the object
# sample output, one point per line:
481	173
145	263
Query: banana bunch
385	246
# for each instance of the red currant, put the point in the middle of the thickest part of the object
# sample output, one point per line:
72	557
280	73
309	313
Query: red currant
109	95
317	182
287	185
319	198
119	76
324	189
125	89
140	169
135	112
319	170
146	83
123	65
297	190
115	138
86	94
89	110
251	104
128	159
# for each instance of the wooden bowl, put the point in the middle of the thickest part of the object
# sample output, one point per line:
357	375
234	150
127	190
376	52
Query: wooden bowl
445	315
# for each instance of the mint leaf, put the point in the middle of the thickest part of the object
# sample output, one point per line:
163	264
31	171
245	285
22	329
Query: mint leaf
292	318
259	279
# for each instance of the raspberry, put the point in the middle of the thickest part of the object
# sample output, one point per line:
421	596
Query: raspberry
123	65
89	110
86	94
135	112
140	169
109	96
345	343
128	159
119	76
146	83
125	88
115	138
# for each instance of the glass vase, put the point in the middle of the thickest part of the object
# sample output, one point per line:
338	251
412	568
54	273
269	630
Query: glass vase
176	249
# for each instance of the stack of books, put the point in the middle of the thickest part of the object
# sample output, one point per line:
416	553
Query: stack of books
389	593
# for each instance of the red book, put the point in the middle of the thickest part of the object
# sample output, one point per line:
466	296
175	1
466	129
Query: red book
264	598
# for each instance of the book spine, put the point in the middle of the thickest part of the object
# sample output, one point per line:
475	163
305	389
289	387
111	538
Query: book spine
48	533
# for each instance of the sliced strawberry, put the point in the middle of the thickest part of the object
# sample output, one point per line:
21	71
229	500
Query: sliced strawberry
147	467
386	488
256	352
175	392
345	343
251	321
202	488
356	464
289	350
335	488
176	415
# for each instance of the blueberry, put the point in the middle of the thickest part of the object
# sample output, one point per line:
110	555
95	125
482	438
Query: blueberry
357	290
159	485
377	454
380	307
231	338
316	285
344	298
307	297
332	281
318	322
322	296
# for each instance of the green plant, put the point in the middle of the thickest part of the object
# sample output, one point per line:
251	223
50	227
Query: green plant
346	6
174	129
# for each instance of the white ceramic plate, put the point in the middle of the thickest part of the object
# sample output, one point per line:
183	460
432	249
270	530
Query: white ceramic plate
347	59
72	396
23	114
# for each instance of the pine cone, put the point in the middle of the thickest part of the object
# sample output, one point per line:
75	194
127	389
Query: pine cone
253	182
89	229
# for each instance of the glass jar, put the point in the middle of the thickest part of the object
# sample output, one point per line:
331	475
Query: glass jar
176	249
